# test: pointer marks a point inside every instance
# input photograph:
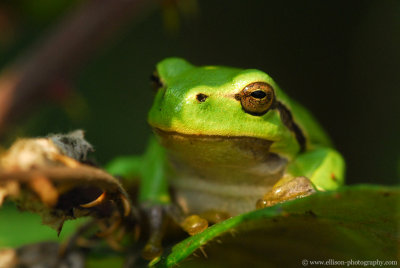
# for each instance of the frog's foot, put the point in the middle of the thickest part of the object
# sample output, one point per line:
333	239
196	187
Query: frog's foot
287	189
192	224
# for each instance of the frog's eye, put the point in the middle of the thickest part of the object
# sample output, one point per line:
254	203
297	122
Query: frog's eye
156	81
256	98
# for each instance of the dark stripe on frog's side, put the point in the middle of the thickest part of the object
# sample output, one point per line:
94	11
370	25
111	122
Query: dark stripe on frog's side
287	119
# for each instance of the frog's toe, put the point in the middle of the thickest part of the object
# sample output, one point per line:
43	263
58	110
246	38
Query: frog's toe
194	224
291	189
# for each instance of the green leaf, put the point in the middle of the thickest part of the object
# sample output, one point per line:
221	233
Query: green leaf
353	223
19	228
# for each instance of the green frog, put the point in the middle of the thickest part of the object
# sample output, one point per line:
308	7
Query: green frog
227	141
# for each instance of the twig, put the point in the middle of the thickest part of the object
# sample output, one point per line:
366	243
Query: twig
77	176
24	186
68	45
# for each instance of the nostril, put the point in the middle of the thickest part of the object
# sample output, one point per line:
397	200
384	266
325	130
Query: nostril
201	97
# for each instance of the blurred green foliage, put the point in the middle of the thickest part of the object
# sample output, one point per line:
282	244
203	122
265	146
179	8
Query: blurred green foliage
14	225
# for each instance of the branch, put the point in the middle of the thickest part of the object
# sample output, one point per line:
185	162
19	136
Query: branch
25	82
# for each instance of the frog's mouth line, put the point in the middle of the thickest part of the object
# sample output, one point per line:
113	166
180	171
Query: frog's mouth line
215	146
167	133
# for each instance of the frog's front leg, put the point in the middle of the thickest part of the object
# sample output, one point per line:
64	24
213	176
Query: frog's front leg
156	202
319	169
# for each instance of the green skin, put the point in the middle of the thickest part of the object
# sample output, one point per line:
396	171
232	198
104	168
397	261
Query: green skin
177	110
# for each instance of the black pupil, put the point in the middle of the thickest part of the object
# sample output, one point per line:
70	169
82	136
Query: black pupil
259	94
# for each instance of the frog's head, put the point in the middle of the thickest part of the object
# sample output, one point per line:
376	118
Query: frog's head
217	101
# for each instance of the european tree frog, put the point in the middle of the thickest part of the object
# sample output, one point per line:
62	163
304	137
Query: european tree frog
228	141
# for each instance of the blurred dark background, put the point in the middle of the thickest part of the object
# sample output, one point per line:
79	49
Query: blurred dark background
341	59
